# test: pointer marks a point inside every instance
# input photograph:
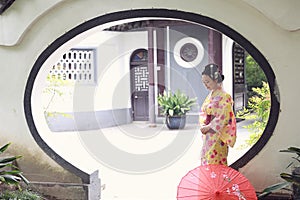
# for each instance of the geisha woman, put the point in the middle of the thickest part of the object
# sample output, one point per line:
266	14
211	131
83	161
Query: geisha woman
217	119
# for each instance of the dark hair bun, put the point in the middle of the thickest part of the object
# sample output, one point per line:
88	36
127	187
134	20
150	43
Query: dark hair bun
223	77
212	70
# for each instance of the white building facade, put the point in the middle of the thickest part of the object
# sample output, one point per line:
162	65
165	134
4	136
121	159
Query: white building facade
50	29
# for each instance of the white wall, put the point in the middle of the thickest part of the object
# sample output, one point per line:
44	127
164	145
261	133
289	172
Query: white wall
113	88
43	25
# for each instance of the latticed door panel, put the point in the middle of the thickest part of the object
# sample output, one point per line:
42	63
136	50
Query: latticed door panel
140	76
141	79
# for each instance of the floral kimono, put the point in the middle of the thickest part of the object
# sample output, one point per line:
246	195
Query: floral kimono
218	112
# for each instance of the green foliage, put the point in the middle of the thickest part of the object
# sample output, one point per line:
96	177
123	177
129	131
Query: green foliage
16	195
54	85
176	104
272	188
53	88
258	111
254	75
294	150
9	173
56	114
10	179
289	179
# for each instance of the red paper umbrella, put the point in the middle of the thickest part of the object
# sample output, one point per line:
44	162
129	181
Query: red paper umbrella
215	182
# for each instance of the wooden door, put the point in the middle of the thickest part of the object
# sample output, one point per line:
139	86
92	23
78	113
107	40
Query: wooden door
139	85
139	97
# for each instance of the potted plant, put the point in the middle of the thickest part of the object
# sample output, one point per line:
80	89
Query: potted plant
175	106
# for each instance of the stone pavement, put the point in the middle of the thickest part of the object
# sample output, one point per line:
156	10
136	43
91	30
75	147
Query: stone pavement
157	182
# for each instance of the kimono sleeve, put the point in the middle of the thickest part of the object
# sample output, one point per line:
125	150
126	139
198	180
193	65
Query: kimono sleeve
224	123
203	114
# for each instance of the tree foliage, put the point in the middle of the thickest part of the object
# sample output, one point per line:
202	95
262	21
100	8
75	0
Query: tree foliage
54	90
258	112
254	75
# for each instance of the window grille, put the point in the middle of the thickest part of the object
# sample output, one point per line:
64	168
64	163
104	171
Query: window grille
141	78
76	65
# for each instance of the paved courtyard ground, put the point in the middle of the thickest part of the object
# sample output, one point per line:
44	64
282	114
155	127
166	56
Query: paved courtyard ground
156	177
135	161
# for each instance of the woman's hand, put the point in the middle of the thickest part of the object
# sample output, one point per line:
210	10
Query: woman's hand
204	129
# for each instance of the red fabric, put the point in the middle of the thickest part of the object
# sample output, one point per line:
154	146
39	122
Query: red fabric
212	182
208	119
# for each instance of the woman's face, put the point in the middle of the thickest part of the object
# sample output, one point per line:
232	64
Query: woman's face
209	83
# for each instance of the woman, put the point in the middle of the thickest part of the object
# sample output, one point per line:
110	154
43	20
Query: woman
217	120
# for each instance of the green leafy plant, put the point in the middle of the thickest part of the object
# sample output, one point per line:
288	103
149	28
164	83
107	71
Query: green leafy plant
175	104
16	195
254	75
53	88
258	112
11	178
291	180
9	173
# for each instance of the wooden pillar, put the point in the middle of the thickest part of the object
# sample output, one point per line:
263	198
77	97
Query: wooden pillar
160	60
215	48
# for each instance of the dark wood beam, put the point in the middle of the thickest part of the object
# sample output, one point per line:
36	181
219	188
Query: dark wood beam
144	24
4	4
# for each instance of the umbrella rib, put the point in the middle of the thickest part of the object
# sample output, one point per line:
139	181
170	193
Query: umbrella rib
187	180
204	182
236	175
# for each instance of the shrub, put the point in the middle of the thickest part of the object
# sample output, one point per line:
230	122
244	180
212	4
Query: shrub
291	180
20	194
254	75
11	177
258	111
9	173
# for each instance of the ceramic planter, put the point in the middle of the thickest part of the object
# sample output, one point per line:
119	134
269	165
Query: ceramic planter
176	122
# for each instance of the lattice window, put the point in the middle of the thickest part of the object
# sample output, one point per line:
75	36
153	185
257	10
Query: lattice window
141	78
239	64
77	65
